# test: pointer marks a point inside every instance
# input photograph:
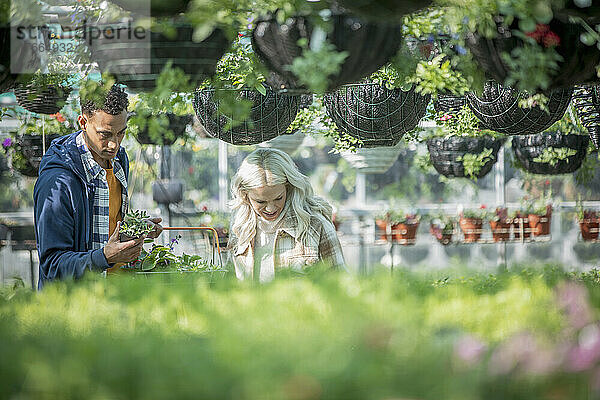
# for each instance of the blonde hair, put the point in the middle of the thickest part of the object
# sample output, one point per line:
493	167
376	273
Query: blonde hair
269	167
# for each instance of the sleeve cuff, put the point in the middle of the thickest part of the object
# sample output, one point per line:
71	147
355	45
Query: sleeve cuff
99	259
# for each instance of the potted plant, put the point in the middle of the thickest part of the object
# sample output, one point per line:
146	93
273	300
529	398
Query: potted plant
26	148
459	148
539	215
353	48
500	109
589	223
374	113
404	226
135	225
441	226
162	115
238	108
559	150
471	222
499	224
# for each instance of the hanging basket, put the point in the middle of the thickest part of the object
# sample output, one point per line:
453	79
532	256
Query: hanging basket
374	114
270	116
526	148
369	46
47	100
445	154
586	100
177	125
449	103
27	161
579	60
376	160
138	68
288	143
498	110
156	8
383	9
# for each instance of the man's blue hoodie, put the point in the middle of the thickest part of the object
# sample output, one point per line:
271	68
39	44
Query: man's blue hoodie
63	212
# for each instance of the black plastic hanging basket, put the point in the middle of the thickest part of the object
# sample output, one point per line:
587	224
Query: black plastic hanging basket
449	103
177	125
446	154
369	45
586	100
384	9
138	68
41	100
498	110
579	60
31	149
270	116
527	148
374	114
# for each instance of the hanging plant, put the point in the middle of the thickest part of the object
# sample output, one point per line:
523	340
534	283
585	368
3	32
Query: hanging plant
459	148
586	101
383	9
43	93
162	116
305	57
375	115
499	110
559	150
441	226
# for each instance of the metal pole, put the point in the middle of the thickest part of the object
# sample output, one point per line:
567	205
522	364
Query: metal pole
223	193
501	201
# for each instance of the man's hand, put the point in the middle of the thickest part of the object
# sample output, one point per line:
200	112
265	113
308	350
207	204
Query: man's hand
157	228
117	252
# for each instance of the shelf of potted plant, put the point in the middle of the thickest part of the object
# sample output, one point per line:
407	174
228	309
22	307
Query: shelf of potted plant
441	226
499	224
589	224
398	227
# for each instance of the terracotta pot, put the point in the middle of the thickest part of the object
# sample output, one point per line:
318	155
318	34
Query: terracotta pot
381	225
471	228
589	228
443	238
539	224
405	233
516	223
500	230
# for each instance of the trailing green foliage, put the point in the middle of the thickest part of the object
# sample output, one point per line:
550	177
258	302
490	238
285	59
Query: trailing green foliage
473	163
315	66
552	155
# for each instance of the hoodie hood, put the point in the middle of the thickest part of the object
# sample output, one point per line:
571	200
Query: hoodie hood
63	153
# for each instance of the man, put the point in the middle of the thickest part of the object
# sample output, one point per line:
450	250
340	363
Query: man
80	196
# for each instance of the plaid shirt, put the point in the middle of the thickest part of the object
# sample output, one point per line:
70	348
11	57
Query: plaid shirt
96	175
322	244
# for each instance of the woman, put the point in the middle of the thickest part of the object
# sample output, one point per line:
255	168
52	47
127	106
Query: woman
277	220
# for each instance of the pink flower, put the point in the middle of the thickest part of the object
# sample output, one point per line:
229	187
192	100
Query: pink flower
446	117
204	208
586	353
469	349
573	299
483	206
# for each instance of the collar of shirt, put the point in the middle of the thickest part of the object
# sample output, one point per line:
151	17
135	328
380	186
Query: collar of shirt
288	224
92	168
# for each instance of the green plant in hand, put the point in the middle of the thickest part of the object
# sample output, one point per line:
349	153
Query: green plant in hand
135	224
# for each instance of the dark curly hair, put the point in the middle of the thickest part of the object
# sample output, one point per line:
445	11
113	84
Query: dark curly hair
115	102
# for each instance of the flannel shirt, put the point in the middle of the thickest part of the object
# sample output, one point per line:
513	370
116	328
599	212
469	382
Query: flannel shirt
322	244
96	175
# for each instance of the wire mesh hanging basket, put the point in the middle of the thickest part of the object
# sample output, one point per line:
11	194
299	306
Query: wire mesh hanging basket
586	100
177	125
374	114
31	149
270	116
446	154
374	160
527	148
449	103
578	63
498	110
369	46
383	9
138	67
42	100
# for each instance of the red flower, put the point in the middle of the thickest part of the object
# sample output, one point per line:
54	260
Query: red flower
190	170
204	208
483	206
544	36
59	117
547	181
551	39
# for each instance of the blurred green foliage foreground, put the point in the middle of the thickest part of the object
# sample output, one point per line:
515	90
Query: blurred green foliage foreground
527	334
